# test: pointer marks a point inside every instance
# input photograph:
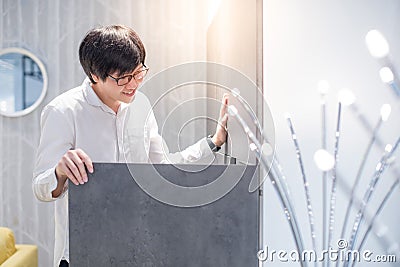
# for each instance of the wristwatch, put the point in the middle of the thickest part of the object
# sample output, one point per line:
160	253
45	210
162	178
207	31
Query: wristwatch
213	147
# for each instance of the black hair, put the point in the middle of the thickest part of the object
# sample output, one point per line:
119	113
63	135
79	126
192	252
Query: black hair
110	49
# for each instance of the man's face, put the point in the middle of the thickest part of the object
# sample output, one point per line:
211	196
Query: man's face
115	89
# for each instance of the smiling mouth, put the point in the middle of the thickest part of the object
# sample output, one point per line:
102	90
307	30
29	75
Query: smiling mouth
129	93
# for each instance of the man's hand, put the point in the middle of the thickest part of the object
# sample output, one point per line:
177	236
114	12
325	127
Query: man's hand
219	138
72	166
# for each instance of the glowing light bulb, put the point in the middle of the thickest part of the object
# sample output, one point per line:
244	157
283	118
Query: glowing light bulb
346	97
386	75
266	149
324	160
287	115
377	45
388	148
378	166
386	109
323	87
235	92
382	230
252	147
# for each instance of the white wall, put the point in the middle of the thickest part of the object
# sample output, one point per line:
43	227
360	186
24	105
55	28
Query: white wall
307	41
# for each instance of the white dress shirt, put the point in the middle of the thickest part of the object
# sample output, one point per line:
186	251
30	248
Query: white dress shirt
79	119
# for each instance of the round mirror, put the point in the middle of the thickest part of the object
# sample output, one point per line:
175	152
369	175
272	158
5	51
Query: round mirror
23	82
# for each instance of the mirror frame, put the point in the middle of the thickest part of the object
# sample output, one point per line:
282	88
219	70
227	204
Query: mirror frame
45	81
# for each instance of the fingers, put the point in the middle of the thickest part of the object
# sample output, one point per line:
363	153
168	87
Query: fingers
224	105
73	165
62	170
224	121
223	115
71	170
85	158
219	138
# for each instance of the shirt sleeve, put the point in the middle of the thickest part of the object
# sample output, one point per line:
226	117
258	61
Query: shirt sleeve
159	152
56	138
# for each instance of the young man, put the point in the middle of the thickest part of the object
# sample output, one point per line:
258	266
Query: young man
104	120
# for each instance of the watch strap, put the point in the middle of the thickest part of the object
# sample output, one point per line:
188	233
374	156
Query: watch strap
213	147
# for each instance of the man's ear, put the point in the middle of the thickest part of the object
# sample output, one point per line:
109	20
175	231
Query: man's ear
95	77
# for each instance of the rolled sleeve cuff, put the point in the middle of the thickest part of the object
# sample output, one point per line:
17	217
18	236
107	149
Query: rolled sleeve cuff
44	184
197	151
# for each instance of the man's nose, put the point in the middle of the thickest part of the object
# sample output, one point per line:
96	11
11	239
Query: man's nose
133	84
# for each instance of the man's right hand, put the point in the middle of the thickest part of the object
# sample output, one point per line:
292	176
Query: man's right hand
72	166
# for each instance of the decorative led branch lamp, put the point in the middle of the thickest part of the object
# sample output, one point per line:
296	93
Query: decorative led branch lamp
327	163
379	48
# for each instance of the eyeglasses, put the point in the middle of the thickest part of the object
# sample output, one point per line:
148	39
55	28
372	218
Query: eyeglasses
138	76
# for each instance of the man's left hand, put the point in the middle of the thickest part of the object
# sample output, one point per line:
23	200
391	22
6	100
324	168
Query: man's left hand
219	138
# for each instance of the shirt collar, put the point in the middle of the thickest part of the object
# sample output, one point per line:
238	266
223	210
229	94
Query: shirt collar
94	100
90	95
